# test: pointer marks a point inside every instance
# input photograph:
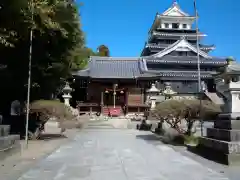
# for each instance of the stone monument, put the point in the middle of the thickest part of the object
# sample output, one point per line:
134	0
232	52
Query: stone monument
223	140
152	94
66	94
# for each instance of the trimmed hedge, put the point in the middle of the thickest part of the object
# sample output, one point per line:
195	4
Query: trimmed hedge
188	109
51	109
173	112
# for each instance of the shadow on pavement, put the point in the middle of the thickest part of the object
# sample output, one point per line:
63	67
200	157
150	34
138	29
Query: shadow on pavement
177	141
149	137
48	137
209	154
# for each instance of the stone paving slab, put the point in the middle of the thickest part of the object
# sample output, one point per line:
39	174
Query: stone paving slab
120	155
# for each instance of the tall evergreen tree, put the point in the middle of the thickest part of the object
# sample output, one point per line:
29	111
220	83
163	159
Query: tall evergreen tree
58	44
103	51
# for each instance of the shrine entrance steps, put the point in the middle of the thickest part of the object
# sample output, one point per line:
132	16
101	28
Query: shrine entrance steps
112	111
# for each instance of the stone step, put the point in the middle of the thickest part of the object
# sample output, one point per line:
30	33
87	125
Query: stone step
8	145
215	155
4	130
219	145
227	124
8	141
11	145
223	134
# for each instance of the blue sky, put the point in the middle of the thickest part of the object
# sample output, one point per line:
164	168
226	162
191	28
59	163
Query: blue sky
123	25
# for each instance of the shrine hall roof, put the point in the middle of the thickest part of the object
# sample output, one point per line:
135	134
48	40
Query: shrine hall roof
137	67
111	67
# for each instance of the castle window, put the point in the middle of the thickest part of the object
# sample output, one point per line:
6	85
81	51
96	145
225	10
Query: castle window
182	53
184	26
166	25
175	25
235	79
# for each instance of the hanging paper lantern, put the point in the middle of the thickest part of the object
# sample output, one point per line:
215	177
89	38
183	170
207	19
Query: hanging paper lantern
121	92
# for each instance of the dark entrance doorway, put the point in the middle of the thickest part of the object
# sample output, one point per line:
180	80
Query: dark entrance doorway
119	98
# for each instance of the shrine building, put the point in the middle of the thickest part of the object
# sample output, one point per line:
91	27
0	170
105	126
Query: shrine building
168	56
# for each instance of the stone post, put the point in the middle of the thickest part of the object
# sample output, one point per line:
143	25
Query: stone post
223	140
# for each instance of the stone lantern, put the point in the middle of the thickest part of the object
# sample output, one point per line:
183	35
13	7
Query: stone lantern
66	94
168	91
152	94
224	137
228	84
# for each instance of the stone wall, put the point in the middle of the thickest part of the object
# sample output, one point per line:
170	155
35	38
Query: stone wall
184	97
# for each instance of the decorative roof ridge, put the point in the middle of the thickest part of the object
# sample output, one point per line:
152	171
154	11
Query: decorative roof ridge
154	32
169	47
154	21
178	43
200	45
220	57
143	65
168	71
172	56
176	6
186	17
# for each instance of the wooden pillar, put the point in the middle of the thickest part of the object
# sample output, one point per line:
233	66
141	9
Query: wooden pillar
142	96
102	101
126	100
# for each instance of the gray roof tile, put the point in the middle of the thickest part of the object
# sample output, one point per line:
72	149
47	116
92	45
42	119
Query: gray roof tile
185	60
130	68
108	67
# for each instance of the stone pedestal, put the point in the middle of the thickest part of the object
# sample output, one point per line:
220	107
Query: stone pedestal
223	140
67	98
153	103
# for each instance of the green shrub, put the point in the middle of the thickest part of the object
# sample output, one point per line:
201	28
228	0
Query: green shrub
210	111
191	140
174	111
51	108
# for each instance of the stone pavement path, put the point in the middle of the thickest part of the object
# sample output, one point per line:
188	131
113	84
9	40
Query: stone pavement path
117	154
